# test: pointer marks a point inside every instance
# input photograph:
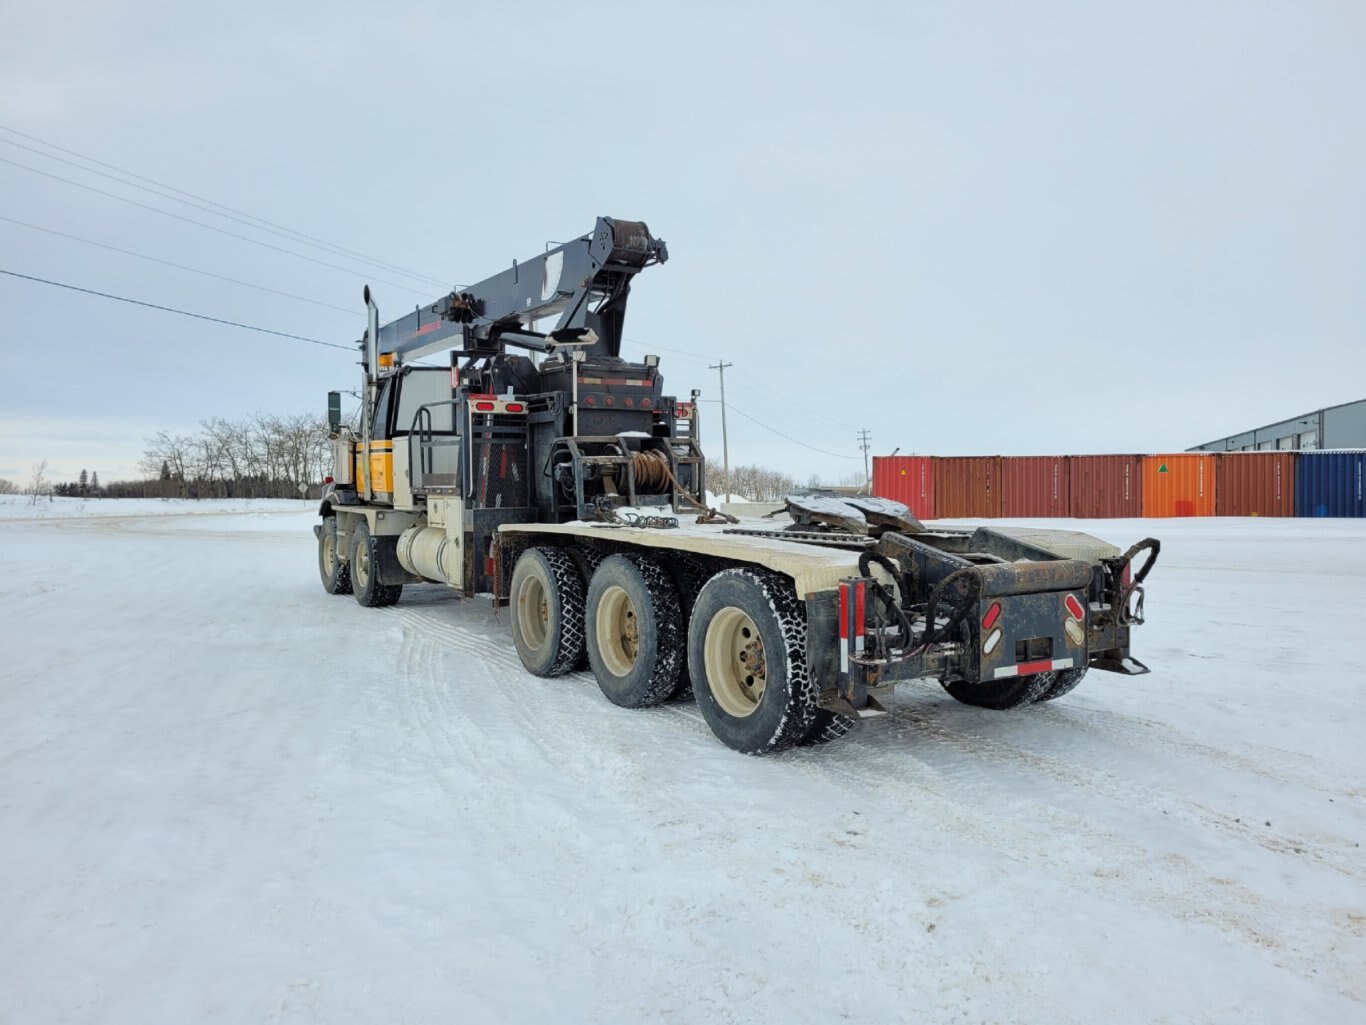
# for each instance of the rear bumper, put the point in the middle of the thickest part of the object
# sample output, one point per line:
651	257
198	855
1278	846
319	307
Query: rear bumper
1035	634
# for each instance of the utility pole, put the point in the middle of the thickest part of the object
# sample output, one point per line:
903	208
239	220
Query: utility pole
725	444
865	445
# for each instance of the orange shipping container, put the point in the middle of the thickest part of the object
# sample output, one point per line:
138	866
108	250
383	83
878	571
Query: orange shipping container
967	486
908	480
1179	485
1035	486
1106	487
1256	484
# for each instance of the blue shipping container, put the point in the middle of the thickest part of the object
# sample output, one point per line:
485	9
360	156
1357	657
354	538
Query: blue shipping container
1330	484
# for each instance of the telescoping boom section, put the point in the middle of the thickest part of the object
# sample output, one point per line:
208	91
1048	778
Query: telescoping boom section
544	471
582	284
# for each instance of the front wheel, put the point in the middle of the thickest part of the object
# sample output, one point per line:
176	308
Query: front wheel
747	660
365	569
336	575
1002	695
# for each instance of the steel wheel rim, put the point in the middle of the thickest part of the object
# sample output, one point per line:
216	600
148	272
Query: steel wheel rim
362	567
737	665
329	553
533	612
617	631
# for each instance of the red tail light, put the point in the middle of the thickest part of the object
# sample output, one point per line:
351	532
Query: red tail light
484	407
993	614
1074	608
516	407
328	479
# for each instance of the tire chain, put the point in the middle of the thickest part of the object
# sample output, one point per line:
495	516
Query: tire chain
672	629
570	590
801	710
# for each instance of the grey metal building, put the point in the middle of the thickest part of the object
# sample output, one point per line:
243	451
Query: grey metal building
1341	426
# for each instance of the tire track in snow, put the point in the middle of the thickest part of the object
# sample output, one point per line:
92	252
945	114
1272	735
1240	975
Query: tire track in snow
163	526
964	799
913	724
1264	762
1056	843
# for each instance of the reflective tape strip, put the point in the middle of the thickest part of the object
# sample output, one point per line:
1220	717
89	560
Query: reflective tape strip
857	627
1030	668
844	628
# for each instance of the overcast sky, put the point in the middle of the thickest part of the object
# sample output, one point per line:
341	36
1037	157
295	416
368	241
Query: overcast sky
969	227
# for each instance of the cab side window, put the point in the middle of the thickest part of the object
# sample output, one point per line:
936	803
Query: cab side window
379	430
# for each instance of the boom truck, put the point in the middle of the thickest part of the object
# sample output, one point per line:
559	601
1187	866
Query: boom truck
543	470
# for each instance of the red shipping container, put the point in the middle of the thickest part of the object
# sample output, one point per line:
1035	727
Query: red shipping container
908	480
1106	487
1180	484
1036	486
1256	484
967	486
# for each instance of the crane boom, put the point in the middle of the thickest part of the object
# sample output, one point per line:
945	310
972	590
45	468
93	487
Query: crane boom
584	283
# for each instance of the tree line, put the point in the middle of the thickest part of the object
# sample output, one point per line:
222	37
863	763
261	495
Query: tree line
264	456
269	456
761	484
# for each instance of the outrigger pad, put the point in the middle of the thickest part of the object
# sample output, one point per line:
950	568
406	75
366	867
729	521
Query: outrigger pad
883	512
806	510
856	514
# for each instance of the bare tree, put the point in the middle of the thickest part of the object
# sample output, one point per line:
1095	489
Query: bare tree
37	482
263	456
7	487
172	452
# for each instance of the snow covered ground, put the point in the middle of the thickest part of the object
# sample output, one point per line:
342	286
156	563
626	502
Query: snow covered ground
228	797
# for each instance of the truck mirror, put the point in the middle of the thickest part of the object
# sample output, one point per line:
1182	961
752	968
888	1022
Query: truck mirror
334	411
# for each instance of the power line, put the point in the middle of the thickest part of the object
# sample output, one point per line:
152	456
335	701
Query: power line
684	355
261	223
756	383
179	266
172	309
210	227
752	381
788	437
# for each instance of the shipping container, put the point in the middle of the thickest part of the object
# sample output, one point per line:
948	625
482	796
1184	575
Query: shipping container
1106	487
908	480
1330	483
967	486
1035	486
1179	485
1255	484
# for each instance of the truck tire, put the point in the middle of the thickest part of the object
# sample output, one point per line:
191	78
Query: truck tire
689	574
828	726
1002	695
635	630
366	559
747	659
1066	683
336	575
546	599
587	560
